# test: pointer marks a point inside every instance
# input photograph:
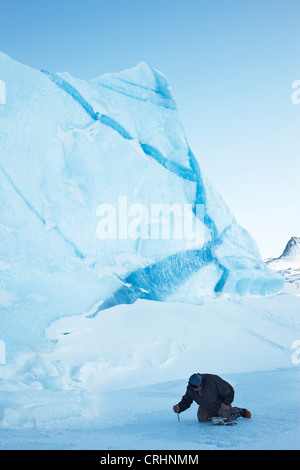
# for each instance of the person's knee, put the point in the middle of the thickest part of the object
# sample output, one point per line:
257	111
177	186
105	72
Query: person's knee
202	415
203	420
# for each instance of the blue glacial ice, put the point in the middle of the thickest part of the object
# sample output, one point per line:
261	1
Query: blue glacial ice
68	146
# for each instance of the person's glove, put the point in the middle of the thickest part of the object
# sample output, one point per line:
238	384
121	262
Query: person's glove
176	409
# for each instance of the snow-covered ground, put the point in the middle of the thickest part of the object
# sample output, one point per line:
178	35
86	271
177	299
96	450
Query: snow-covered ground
110	382
142	418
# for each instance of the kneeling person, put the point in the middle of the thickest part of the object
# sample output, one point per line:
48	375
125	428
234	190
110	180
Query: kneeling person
214	397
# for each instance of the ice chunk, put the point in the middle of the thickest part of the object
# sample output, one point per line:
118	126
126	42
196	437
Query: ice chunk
69	147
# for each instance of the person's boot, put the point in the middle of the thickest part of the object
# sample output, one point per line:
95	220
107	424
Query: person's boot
245	413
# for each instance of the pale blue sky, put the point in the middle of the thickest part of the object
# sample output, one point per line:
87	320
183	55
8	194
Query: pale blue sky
230	63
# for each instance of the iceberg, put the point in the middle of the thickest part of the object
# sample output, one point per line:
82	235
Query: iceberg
80	156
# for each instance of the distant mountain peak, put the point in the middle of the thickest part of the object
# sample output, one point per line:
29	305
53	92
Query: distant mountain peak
288	265
292	248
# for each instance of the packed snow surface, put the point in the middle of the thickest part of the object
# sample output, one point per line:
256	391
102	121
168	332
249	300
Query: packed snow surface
110	381
141	418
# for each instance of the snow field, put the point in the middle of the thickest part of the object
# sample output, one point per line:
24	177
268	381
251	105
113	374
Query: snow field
110	382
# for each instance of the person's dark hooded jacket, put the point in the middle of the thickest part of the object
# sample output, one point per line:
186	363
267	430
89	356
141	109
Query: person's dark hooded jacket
214	392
